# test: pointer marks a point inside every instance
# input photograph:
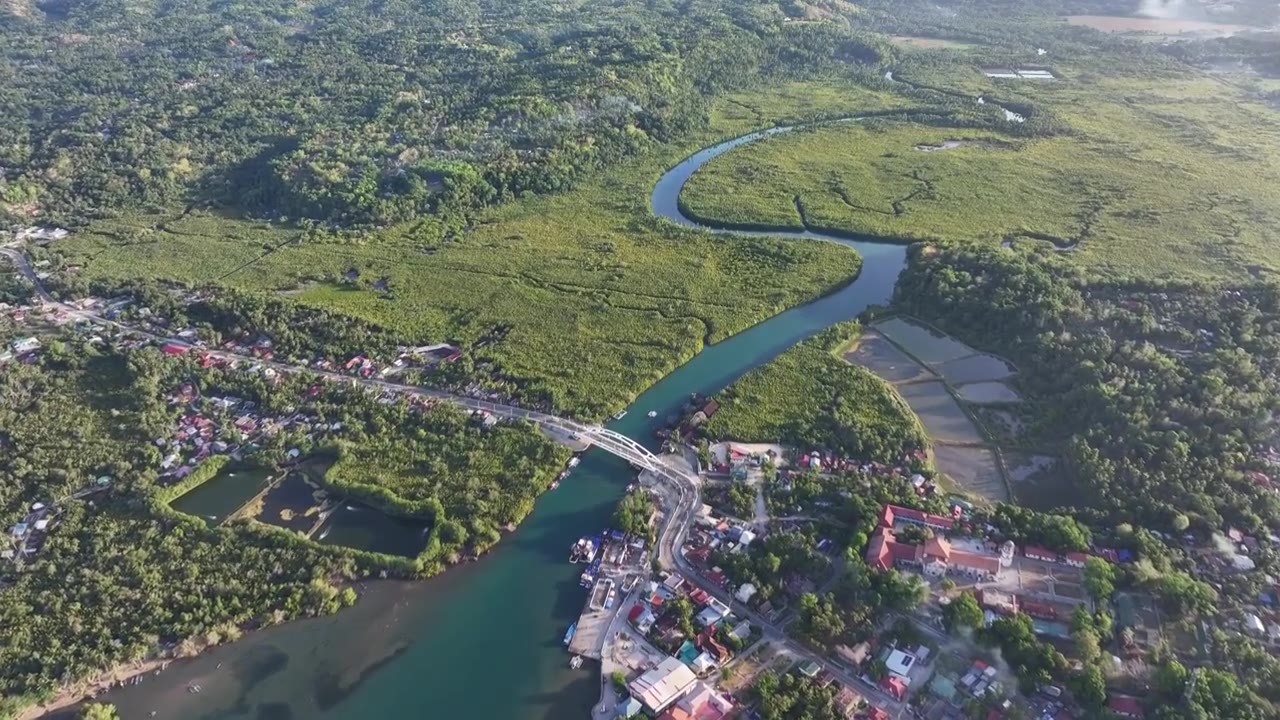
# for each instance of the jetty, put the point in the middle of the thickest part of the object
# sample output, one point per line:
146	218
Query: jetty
592	626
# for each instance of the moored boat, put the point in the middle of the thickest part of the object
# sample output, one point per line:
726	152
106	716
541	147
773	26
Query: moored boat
575	662
568	636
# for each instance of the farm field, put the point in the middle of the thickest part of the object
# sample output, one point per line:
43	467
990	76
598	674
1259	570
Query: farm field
1168	175
597	297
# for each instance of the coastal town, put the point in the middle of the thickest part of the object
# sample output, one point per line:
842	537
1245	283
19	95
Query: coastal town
678	616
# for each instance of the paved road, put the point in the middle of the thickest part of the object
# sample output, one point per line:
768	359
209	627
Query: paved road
683	486
605	439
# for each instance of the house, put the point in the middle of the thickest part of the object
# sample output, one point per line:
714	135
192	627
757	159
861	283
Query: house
1254	625
174	349
703	664
660	687
745	591
894	685
935	557
809	668
1038	553
629	708
848	701
892	514
1076	559
25	345
900	663
855	655
703	703
1125	706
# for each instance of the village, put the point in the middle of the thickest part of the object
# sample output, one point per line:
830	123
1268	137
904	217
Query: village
670	648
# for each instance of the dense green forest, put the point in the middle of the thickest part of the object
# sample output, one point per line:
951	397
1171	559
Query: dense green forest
120	576
1159	395
360	112
811	398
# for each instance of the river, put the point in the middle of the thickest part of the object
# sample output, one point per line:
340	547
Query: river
483	641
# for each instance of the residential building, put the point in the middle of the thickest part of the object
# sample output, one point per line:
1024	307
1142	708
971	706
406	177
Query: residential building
660	687
1125	706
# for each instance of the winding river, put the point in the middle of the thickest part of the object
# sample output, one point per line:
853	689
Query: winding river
483	641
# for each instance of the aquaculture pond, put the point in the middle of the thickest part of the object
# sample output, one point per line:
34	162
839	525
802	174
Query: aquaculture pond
484	640
224	493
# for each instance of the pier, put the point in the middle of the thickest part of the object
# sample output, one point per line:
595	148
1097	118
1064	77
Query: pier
593	625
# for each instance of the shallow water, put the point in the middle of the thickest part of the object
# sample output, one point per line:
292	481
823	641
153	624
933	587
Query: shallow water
484	641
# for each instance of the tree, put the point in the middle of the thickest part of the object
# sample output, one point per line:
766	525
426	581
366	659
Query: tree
98	711
962	612
1099	579
619	681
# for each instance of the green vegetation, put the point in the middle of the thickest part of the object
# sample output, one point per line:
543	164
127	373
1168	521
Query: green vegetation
635	513
792	696
1150	174
467	480
963	612
98	711
117	578
150	580
637	296
810	398
1156	414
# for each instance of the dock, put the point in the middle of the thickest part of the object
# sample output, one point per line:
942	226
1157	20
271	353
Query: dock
593	624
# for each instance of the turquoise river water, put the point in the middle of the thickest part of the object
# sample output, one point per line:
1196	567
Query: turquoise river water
483	641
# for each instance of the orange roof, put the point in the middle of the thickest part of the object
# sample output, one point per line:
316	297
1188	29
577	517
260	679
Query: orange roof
936	547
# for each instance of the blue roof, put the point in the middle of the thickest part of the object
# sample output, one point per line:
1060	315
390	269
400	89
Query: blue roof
629	707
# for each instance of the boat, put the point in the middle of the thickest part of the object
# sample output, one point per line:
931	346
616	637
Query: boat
584	550
653	413
575	662
555	484
573	461
568	636
589	575
620	414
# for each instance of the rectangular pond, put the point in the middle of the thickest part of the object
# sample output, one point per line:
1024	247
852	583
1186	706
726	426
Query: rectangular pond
225	493
883	358
940	413
928	346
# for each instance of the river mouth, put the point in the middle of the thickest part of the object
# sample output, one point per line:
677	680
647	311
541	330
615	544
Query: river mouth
484	640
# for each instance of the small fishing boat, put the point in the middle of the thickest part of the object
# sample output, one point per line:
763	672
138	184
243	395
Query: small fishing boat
555	484
573	461
653	413
620	414
575	662
568	636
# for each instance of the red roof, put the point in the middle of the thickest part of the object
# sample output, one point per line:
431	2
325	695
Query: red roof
1077	557
636	611
1125	705
174	349
892	513
878	713
895	686
1036	551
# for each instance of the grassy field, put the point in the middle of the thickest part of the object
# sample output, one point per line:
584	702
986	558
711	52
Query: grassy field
600	297
1170	175
810	398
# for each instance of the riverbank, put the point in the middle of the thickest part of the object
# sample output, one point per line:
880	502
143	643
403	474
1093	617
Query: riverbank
518	599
